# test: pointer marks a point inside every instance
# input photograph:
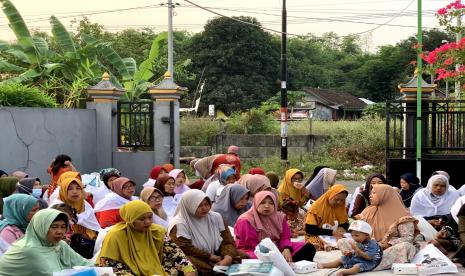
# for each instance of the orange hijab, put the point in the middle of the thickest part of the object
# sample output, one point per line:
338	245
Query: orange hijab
64	184
321	212
287	189
385	210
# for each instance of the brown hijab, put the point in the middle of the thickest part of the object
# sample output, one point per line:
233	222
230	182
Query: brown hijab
385	210
160	184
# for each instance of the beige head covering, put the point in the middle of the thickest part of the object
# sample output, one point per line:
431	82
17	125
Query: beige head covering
205	233
384	211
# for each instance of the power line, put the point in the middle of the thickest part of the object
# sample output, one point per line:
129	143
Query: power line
292	34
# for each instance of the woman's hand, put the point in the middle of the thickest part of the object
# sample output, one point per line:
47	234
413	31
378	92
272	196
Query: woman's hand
215	258
190	274
339	233
287	255
226	261
384	245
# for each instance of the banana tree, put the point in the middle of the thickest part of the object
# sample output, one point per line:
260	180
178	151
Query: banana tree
31	59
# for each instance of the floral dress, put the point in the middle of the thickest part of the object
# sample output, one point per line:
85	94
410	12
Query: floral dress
403	245
298	224
174	261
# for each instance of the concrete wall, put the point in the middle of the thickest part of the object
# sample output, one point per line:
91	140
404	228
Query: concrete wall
31	137
255	145
134	165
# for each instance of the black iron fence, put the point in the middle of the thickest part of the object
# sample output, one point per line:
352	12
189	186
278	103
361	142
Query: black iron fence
135	125
443	128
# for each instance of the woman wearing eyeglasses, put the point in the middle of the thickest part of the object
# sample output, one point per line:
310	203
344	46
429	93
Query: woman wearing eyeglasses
154	198
107	209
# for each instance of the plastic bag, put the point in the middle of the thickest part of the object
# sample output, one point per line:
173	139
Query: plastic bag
431	261
266	251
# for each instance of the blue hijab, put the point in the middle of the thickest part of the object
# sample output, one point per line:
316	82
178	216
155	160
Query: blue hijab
15	210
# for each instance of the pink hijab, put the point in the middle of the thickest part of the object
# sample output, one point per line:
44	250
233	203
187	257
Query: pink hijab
270	226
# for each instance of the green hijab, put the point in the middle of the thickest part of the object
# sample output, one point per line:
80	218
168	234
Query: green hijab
7	187
34	255
16	207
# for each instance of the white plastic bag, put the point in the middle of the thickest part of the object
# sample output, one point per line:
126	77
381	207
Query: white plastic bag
267	251
432	261
426	229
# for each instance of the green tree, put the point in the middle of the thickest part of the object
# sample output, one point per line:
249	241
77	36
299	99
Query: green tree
241	63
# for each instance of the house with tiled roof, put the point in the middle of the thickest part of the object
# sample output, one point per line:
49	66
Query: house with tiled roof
331	105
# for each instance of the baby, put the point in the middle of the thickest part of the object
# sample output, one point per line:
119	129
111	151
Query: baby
365	255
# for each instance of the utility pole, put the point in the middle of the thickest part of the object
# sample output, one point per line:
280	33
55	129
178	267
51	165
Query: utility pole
419	84
284	85
170	39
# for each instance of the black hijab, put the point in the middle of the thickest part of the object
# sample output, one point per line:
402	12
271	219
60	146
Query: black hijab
367	190
414	183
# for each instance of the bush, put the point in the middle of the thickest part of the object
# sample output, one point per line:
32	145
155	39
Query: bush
198	131
254	121
15	94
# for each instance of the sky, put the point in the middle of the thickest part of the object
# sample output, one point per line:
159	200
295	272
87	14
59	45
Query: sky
379	22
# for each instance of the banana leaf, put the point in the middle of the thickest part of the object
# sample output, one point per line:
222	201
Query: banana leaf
21	31
63	37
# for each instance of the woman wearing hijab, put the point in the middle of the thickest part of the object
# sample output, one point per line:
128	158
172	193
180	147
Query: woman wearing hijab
17	213
72	193
108	175
292	187
107	209
20	175
327	216
362	194
321	183
202	234
409	185
232	202
42	251
7	187
257	170
264	221
274	179
136	246
33	187
154	198
225	175
165	184
255	183
63	176
393	226
154	174
434	202
61	164
181	182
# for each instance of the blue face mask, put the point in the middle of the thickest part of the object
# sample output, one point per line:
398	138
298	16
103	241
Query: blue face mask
37	192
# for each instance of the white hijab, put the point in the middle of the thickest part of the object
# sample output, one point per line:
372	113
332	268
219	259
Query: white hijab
425	204
205	233
322	182
111	201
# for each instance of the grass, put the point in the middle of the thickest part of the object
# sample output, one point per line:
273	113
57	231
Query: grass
351	144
